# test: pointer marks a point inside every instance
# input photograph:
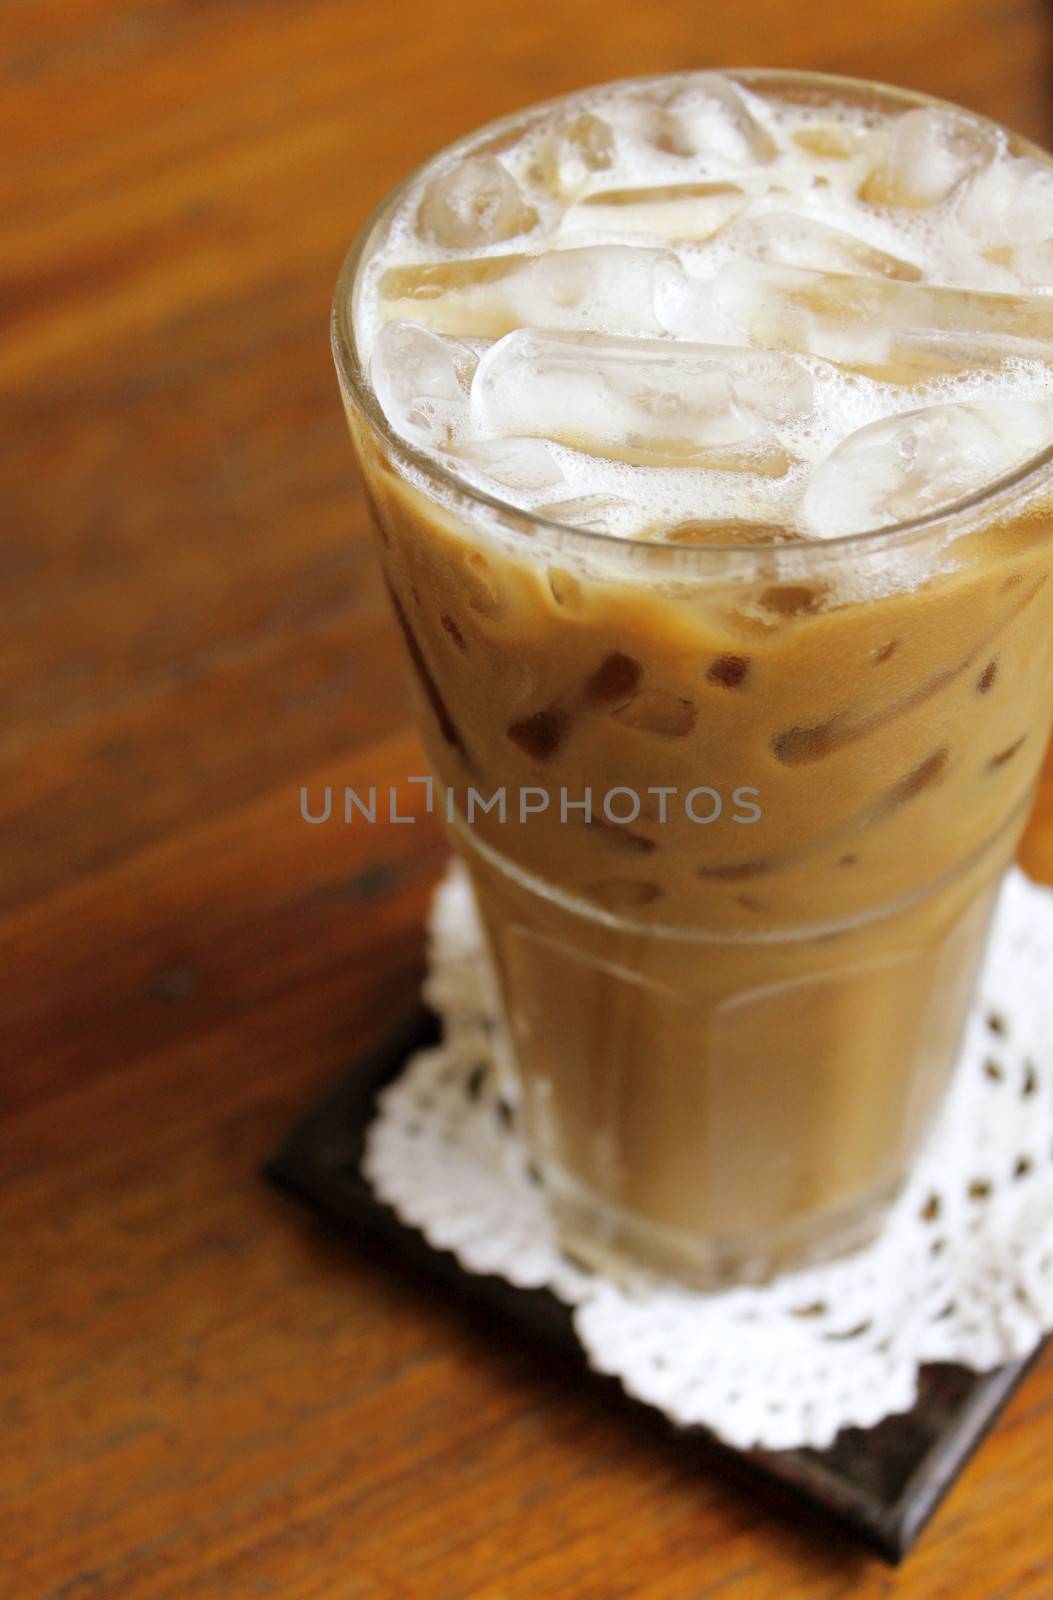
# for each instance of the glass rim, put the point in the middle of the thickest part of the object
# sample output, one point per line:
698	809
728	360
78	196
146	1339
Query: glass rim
447	484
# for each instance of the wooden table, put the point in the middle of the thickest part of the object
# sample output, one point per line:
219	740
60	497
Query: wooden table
203	1394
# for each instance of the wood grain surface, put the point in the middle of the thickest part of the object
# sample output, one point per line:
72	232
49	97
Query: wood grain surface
202	1394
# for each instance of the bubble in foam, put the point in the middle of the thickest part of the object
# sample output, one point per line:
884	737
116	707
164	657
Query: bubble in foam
643	400
908	465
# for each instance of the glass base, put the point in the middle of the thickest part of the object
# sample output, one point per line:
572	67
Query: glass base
615	1242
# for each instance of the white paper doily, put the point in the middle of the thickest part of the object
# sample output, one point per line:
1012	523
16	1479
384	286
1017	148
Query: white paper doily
963	1270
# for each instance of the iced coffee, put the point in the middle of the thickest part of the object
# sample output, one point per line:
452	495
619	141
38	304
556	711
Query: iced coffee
707	424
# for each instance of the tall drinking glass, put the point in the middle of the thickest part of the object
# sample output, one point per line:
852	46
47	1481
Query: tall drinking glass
758	796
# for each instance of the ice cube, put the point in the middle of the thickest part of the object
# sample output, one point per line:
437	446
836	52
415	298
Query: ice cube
920	157
1008	209
897	331
564	586
476	295
709	117
725	122
908	465
830	141
672	211
792	308
1009	200
476	203
727	125
659	711
651	119
615	681
723	531
515	463
688	307
1031	263
642	400
593	511
422	382
573	151
795	241
612	287
623	894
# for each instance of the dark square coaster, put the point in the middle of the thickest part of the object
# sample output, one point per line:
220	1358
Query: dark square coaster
884	1482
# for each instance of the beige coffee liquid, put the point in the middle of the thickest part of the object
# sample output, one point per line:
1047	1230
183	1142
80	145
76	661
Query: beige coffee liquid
711	327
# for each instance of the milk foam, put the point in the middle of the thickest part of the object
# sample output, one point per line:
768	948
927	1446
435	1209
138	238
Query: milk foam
962	184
